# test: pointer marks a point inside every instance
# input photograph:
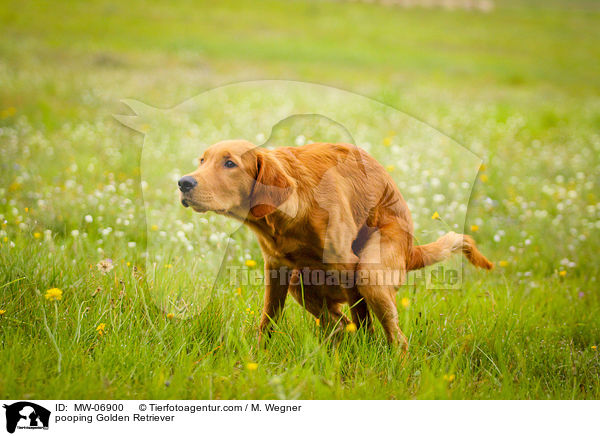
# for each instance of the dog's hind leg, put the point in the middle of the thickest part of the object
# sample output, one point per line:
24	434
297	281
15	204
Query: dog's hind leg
359	309
380	271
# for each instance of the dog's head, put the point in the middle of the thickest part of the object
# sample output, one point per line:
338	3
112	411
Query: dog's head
236	177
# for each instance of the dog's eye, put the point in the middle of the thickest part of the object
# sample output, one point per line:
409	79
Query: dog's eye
201	161
230	164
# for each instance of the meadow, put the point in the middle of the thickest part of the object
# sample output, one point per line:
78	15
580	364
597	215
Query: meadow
518	86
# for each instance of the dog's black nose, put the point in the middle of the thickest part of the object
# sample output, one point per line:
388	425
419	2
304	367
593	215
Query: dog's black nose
187	183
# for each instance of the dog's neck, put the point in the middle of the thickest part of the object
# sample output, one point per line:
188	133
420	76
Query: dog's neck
290	206
276	222
287	211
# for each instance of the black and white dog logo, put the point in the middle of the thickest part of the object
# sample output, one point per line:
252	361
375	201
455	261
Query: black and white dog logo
26	415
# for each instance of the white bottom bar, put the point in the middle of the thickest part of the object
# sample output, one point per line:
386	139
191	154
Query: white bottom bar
304	417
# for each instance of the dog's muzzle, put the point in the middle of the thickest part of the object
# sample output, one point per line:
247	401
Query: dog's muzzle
187	183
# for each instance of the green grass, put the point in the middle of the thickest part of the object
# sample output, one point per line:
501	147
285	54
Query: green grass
519	86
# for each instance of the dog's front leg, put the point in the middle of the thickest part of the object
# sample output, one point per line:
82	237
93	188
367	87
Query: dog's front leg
276	285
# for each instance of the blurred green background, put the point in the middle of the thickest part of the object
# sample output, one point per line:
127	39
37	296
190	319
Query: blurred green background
517	84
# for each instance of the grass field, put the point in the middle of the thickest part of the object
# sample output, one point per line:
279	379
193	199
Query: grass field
519	86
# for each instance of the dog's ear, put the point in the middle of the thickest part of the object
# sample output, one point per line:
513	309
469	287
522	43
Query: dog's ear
272	186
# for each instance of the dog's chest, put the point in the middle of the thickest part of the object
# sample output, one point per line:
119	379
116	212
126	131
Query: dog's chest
294	250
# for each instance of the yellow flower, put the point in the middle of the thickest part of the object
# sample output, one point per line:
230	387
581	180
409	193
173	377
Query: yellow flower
168	266
251	366
318	322
483	178
2	312
593	346
449	377
37	235
390	168
435	216
405	302
503	263
351	327
101	328
562	273
474	227
53	294
250	263
238	291
482	167
387	141
154	227
170	315
8	112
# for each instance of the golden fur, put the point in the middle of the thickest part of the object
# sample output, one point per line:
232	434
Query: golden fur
321	206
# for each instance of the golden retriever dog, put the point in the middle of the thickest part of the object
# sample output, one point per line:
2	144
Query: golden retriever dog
321	207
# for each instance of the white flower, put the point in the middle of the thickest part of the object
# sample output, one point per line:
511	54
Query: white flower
89	219
75	233
104	266
131	244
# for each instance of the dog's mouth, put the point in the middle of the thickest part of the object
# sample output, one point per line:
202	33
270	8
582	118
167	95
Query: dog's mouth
186	202
200	206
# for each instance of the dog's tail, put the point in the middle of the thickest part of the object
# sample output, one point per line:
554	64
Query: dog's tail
443	248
